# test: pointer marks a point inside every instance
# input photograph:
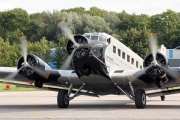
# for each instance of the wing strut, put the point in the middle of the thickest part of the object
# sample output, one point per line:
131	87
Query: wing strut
75	94
132	88
125	92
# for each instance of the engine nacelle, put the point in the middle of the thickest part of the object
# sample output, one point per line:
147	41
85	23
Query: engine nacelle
35	62
155	70
82	52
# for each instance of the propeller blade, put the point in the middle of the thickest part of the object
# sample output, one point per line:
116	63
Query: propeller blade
173	74
11	76
24	47
153	44
64	27
68	61
142	72
40	72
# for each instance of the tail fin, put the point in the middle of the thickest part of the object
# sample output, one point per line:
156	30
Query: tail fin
163	50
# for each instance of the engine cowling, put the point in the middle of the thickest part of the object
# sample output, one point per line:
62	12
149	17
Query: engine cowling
82	52
155	70
35	62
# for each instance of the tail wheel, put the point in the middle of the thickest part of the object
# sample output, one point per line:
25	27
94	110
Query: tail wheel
63	99
140	98
162	98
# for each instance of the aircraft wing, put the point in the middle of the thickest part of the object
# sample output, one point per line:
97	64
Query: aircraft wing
140	79
17	79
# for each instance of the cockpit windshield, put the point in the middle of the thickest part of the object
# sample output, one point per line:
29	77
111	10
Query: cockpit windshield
94	37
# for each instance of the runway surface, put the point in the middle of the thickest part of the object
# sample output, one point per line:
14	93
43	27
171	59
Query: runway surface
43	105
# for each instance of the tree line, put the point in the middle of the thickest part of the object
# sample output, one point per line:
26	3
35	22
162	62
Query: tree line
42	31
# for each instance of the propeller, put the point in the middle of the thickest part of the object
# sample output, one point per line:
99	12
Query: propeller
68	60
173	74
11	76
25	63
24	47
64	27
153	45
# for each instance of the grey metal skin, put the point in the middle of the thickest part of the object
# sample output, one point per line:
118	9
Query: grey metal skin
94	83
100	81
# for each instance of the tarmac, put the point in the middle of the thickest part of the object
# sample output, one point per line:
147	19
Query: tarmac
43	105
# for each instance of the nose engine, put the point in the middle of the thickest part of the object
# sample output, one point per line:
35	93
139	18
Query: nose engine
85	60
82	50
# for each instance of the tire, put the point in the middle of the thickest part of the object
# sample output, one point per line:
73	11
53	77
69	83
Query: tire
38	83
140	99
162	98
62	99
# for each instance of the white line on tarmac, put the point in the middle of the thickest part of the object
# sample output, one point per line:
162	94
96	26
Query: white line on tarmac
4	94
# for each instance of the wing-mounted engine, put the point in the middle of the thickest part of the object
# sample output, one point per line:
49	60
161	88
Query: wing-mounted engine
154	68
156	64
35	69
34	62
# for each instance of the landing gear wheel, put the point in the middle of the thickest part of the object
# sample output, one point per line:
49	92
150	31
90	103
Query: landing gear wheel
38	83
162	98
140	98
63	99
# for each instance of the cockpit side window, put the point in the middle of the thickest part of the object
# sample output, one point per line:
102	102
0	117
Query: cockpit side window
102	39
109	40
88	36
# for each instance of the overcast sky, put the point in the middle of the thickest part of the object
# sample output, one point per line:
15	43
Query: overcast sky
149	7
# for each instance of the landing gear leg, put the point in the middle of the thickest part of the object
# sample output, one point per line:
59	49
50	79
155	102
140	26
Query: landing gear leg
63	96
162	98
140	98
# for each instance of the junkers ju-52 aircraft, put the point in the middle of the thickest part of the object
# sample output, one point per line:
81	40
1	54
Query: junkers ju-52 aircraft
102	66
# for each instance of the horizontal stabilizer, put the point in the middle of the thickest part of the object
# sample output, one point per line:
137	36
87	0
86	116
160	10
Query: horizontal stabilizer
164	92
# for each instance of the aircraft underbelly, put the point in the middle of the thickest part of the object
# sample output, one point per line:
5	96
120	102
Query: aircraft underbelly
89	66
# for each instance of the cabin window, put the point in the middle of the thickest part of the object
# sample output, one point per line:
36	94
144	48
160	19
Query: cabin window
137	64
123	55
119	52
114	49
109	40
132	61
140	67
128	58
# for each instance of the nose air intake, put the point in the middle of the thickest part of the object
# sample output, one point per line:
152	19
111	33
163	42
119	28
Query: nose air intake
82	50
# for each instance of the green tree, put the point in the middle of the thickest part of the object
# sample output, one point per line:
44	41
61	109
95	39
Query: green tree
94	11
41	48
137	41
14	23
61	54
79	10
9	54
166	26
